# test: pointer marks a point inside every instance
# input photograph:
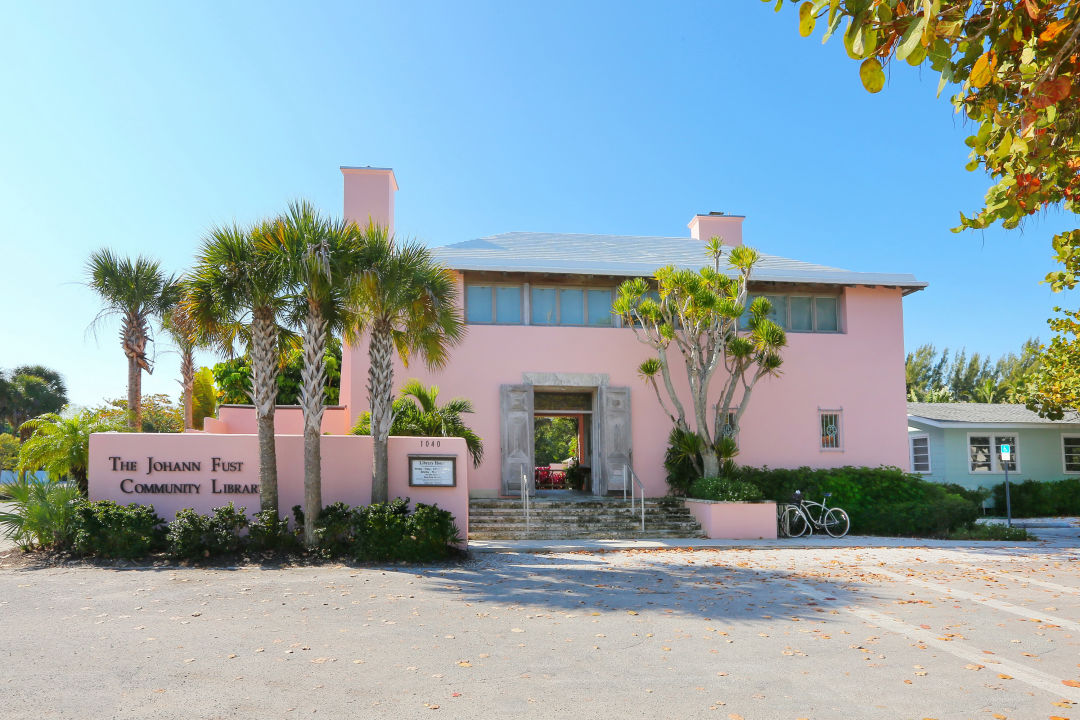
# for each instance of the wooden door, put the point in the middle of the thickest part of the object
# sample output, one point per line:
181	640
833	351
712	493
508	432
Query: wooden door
516	439
615	439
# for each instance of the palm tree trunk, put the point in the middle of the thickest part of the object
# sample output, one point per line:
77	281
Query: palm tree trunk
187	380
313	380
134	331
380	391
264	396
134	395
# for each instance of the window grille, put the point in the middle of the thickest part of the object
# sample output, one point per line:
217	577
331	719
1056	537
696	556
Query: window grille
830	430
729	430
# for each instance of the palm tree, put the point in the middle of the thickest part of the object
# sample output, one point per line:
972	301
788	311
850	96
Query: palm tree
28	391
235	295
409	305
60	446
181	327
423	416
138	292
37	514
417	413
323	260
989	391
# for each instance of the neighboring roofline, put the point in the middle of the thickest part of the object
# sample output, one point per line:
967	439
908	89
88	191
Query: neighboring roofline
962	424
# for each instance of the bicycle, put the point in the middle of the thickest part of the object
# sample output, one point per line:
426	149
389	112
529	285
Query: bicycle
801	517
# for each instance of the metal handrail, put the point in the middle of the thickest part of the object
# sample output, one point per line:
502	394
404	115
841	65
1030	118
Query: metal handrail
525	504
629	474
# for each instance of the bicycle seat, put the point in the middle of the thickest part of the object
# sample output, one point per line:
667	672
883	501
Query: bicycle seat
828	495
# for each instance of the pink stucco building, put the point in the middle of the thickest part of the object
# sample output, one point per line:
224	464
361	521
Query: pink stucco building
542	340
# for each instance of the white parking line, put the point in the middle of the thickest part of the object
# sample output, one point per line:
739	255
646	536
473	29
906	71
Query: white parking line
1023	579
990	602
1034	678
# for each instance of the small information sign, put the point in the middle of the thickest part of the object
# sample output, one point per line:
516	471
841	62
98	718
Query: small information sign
433	470
1006	453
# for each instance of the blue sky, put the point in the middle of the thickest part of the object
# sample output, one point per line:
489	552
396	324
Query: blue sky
139	125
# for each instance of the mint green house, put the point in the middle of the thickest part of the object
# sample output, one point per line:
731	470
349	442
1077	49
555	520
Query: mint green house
961	443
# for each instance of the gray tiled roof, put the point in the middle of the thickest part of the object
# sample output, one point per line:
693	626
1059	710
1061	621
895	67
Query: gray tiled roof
1003	413
633	256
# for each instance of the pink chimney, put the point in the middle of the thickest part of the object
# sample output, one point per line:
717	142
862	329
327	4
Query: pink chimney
716	224
369	195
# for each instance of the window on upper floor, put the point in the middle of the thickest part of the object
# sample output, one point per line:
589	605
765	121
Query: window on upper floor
984	453
1070	448
493	304
803	313
920	453
571	306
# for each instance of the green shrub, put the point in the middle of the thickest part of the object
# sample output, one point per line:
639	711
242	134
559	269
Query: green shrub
387	531
380	531
987	531
1034	498
432	533
40	514
977	495
268	532
106	529
192	536
576	476
335	529
879	501
682	460
727	489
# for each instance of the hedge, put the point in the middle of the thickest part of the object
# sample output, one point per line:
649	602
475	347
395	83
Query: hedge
1035	498
880	501
380	532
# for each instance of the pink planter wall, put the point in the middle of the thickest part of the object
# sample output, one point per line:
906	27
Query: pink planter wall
735	520
346	471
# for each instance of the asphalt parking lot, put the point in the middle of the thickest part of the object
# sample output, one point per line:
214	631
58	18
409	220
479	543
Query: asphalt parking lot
858	632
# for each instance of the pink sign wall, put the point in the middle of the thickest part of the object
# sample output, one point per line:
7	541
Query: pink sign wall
205	470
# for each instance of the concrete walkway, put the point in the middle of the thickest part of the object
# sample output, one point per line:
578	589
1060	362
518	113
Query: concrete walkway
1050	532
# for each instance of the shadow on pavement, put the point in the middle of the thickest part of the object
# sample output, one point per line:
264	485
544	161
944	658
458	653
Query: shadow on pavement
714	591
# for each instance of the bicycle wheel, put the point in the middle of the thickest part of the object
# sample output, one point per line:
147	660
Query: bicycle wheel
837	522
795	522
